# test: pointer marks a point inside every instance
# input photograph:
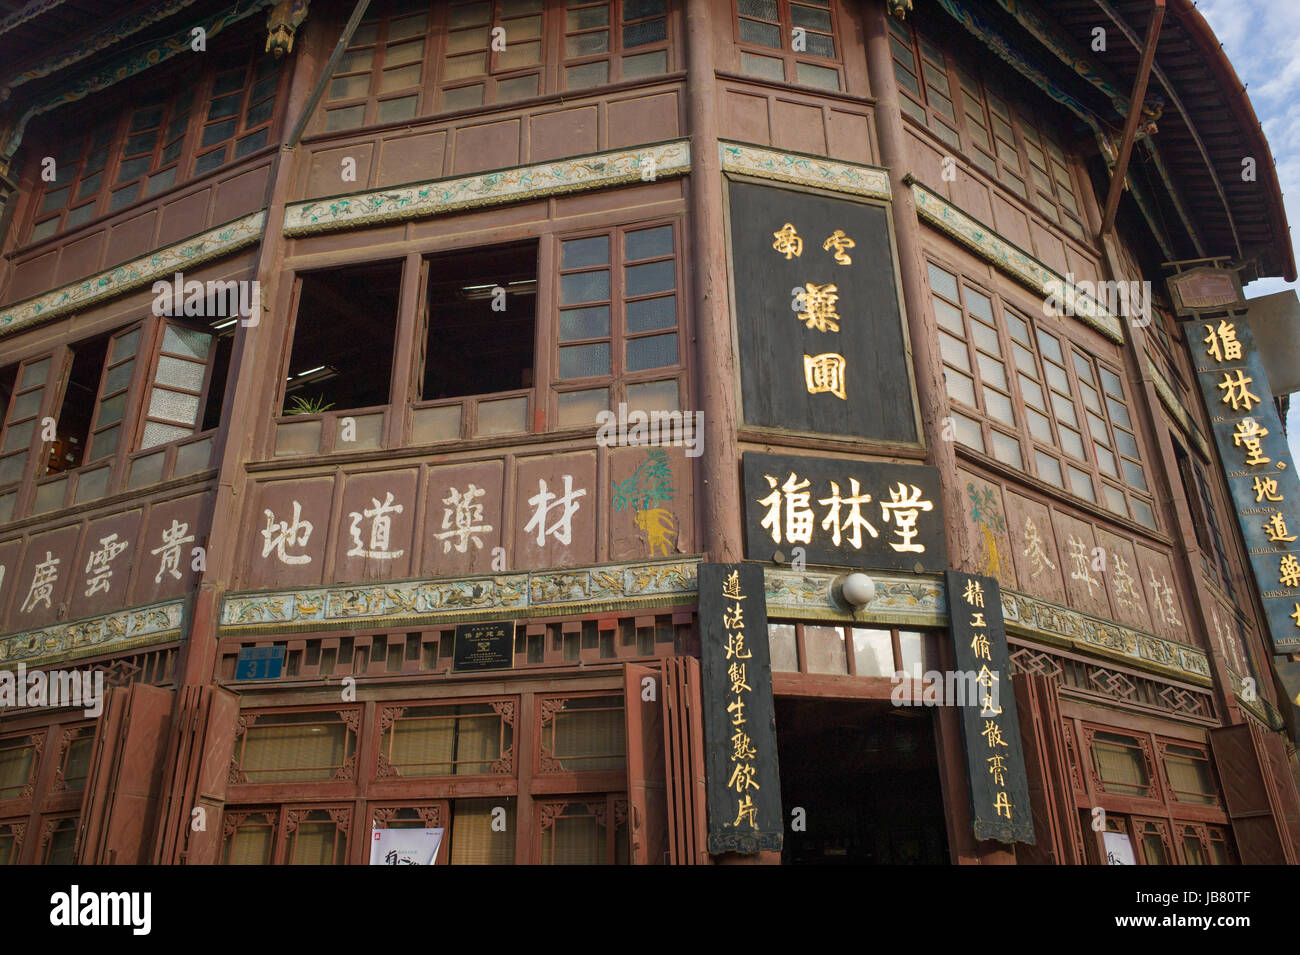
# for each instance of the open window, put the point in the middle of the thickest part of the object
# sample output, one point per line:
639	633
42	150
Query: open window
479	340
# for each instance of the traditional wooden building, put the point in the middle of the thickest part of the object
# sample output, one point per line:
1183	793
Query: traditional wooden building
400	398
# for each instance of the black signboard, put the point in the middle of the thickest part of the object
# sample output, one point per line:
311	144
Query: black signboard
818	316
741	775
995	761
485	646
844	512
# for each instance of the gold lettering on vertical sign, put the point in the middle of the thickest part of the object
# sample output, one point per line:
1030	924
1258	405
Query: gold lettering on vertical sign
1222	342
1236	392
1266	487
819	306
1249	435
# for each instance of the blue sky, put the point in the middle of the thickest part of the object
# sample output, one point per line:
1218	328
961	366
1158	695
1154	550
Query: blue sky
1262	41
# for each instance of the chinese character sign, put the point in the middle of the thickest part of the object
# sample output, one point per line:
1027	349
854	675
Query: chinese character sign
742	780
1260	473
995	761
822	344
843	513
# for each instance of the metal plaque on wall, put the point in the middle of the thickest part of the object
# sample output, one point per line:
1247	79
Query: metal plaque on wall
844	512
995	759
822	347
485	646
742	779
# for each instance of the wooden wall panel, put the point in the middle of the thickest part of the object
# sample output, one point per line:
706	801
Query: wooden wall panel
1038	560
446	552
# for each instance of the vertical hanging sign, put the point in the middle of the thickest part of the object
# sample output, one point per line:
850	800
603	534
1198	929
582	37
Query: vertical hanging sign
1260	474
741	776
995	761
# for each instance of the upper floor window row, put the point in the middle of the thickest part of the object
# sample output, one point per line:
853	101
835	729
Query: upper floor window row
1026	396
410	59
174	129
971	113
791	41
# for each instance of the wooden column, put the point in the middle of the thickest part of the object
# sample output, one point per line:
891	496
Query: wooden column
933	406
715	372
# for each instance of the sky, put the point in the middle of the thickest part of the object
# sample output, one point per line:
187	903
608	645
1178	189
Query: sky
1262	41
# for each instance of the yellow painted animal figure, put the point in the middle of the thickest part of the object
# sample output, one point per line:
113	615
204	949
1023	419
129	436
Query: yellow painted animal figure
660	527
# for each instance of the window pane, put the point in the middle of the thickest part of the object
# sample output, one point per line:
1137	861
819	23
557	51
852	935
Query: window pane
1081	484
825	647
943	282
580	361
580	323
657	351
584	287
1006	449
643	34
762	66
781	644
960	387
587	44
998	406
589	74
654	396
579	408
820	76
644	279
651	314
762	34
1048	468
580	253
645	64
873	652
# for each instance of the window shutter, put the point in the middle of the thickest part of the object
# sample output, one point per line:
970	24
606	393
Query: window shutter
646	779
175	398
1056	823
114	390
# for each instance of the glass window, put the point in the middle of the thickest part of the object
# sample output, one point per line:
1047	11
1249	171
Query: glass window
800	32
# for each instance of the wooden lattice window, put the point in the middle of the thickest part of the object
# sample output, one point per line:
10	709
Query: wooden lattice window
1005	142
1120	764
21	416
583	830
58	840
184	119
1027	397
74	757
19	757
11	841
582	734
853	651
1153	841
482	831
1220	846
249	837
313	746
317	836
614	40
458	739
618	337
1187	770
791	41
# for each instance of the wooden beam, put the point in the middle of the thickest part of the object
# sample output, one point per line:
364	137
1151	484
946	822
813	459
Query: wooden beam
331	64
1120	172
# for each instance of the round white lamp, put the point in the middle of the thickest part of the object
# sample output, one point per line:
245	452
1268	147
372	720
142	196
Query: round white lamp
858	590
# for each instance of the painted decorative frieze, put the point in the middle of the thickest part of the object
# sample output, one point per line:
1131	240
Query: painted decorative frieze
852	178
159	264
609	587
443	196
1017	263
92	636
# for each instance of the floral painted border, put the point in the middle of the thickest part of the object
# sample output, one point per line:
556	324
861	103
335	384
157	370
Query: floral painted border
1020	265
608	587
442	196
805	170
111	632
161	263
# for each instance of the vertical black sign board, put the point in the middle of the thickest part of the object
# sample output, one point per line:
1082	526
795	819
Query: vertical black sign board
741	775
484	646
995	761
843	367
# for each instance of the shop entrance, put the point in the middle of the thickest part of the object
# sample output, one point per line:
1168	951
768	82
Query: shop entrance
866	776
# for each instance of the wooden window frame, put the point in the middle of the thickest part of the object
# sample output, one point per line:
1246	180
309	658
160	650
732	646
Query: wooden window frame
988	159
616	53
506	764
790	59
1141	743
611	812
284	822
619	378
186	162
546	766
349	716
1030	445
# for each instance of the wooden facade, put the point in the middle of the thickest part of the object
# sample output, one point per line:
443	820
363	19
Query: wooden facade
433	243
